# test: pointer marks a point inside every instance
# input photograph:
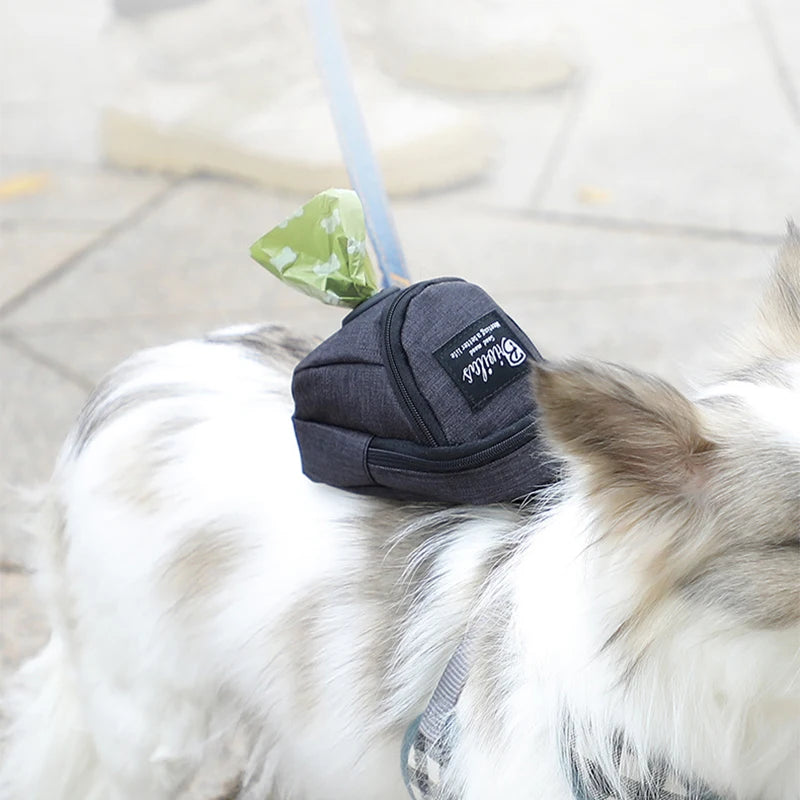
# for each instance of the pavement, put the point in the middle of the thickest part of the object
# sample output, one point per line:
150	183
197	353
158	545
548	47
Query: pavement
629	216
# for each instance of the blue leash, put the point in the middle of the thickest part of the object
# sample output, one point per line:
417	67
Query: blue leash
365	175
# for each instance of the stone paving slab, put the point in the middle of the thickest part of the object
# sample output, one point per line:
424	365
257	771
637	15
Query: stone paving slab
530	253
183	269
28	253
670	328
780	22
37	408
79	198
55	212
189	258
92	347
189	254
679	332
686	126
526	129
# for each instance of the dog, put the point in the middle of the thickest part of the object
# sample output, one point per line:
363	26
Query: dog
646	609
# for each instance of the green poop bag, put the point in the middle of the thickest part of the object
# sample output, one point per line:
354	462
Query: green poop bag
322	250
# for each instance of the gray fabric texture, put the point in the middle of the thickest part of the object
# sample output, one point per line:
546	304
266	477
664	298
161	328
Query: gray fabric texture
503	480
352	396
343	382
317	442
433	317
441	432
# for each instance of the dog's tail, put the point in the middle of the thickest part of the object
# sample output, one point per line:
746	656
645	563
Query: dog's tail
48	752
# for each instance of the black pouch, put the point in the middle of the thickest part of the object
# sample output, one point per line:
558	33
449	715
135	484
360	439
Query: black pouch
423	393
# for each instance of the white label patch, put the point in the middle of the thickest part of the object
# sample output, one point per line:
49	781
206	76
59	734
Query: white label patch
483	358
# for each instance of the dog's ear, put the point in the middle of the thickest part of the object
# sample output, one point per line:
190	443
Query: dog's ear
778	326
628	428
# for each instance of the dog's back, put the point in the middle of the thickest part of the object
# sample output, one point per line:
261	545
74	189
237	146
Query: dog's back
198	582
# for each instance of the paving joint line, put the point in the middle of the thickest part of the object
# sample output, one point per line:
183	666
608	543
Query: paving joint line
11	568
630	291
104	238
767	29
575	219
53	225
255	316
558	148
52	364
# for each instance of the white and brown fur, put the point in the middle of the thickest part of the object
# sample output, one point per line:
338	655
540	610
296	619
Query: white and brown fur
199	585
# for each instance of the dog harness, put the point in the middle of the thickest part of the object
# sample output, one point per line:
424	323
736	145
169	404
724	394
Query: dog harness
428	744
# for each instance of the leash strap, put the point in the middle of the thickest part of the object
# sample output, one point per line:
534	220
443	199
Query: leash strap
426	747
428	744
365	175
632	780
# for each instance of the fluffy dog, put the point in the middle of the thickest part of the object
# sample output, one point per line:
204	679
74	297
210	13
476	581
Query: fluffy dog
198	584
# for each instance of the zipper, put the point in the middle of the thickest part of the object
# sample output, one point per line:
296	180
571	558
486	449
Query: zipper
380	454
408	400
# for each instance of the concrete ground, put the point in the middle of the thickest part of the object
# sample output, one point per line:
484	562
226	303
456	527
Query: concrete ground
629	216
